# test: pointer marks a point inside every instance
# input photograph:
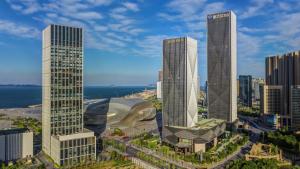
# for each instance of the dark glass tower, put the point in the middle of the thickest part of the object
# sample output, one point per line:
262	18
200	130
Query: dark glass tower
221	59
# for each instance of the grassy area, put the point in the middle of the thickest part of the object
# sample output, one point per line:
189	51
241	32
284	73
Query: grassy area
30	123
258	164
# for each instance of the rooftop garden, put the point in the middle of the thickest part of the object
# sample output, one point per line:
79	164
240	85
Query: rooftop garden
225	147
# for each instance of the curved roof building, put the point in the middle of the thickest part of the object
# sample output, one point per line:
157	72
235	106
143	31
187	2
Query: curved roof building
119	113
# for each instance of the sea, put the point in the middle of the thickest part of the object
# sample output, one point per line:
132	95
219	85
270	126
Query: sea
24	96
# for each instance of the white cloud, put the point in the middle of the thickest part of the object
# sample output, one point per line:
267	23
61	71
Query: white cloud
100	2
256	8
284	6
151	46
18	29
100	28
131	6
88	15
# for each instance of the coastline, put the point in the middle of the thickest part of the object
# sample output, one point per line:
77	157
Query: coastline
35	111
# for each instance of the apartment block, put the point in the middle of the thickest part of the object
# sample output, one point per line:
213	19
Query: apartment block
284	71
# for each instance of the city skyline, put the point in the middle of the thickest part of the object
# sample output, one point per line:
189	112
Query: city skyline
259	35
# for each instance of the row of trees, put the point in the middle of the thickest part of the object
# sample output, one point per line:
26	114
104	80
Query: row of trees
284	140
258	164
248	111
30	123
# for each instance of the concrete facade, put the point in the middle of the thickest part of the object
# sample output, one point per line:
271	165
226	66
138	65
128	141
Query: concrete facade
62	106
15	144
221	59
180	72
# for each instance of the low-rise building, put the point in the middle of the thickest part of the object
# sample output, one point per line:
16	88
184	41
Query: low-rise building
198	138
15	144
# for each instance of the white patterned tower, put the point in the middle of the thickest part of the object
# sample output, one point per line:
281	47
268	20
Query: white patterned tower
180	73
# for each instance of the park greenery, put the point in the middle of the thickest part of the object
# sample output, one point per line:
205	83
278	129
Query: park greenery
21	164
258	164
117	132
116	161
115	144
156	103
30	123
285	140
202	110
224	149
248	111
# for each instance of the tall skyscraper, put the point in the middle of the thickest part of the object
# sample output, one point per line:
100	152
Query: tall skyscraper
245	90
180	72
65	139
284	71
221	59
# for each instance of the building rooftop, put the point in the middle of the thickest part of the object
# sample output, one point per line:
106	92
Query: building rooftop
13	131
203	124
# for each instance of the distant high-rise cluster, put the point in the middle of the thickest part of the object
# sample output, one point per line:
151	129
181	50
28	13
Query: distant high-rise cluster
221	60
65	139
281	91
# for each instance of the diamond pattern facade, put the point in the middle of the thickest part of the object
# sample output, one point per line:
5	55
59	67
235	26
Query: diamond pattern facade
180	86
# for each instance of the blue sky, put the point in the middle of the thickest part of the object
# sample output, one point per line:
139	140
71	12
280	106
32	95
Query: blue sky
123	38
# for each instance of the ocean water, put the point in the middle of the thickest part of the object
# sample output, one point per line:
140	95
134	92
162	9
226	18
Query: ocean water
24	96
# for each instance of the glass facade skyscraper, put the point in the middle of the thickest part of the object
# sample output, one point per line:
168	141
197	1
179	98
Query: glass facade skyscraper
221	60
245	94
